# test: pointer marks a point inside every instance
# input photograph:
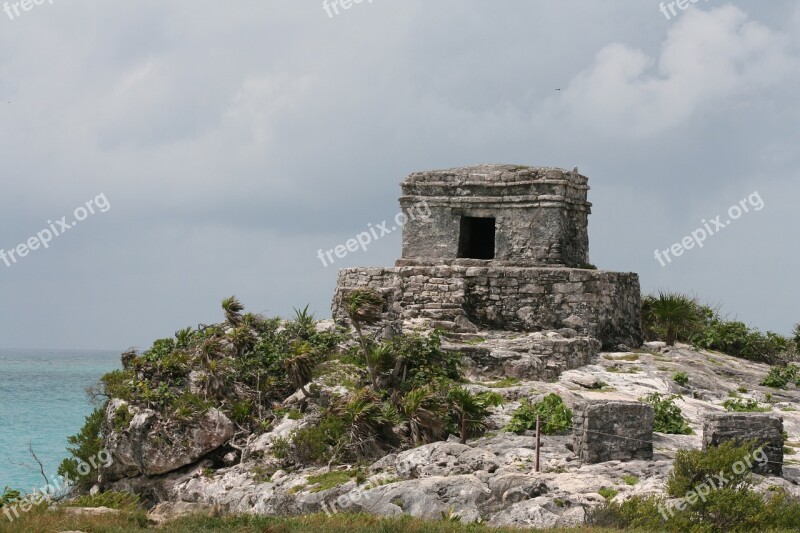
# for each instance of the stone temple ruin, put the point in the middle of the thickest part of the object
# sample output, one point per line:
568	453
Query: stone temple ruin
502	260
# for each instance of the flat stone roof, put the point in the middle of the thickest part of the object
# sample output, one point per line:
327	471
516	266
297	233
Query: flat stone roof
496	174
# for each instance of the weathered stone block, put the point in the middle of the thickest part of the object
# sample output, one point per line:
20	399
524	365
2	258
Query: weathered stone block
608	430
765	428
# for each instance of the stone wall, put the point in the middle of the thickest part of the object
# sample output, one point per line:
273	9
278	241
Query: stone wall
603	305
766	428
607	430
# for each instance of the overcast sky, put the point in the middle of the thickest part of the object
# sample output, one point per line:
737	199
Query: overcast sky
233	140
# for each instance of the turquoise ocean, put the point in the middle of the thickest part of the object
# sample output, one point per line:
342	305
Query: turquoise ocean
42	402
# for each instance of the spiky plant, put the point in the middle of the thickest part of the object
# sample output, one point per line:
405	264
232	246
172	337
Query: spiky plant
242	339
367	420
183	337
671	314
425	412
364	307
470	410
303	317
233	310
299	367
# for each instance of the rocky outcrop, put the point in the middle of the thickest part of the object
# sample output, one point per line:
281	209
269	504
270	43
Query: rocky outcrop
491	479
168	511
143	442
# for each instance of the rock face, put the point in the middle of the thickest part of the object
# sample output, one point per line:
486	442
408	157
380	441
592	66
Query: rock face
144	443
613	431
528	356
765	428
168	511
493	478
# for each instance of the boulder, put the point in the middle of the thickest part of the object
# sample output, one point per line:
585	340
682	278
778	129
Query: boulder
151	445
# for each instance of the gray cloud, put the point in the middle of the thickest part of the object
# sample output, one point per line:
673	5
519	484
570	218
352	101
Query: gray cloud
233	142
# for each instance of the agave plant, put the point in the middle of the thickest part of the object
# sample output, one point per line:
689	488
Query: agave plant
242	339
670	314
425	412
303	317
300	367
233	310
364	307
470	410
366	417
183	337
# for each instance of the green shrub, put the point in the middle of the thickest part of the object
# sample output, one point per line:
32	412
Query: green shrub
468	411
281	447
737	339
119	384
670	317
553	413
9	497
122	418
607	493
637	513
781	512
668	416
188	406
780	376
694	467
84	448
318	443
419	361
681	378
741	405
630	480
732	507
329	480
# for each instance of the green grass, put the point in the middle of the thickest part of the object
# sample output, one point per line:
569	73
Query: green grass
681	378
329	480
617	369
740	405
607	493
136	522
630	480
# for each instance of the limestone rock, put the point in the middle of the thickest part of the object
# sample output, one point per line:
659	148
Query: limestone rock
168	511
151	445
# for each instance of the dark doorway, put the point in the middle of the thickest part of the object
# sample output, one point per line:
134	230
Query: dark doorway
476	240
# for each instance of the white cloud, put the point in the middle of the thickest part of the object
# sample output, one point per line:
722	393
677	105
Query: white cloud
707	57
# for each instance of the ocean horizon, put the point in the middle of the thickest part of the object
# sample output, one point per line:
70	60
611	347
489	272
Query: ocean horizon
43	401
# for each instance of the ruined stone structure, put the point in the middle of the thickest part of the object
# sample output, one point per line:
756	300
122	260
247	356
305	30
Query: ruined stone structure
607	430
502	248
766	428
